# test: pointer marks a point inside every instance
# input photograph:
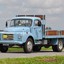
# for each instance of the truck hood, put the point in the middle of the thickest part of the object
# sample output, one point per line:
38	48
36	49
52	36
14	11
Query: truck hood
17	29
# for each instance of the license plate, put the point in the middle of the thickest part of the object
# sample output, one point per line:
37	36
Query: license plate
5	44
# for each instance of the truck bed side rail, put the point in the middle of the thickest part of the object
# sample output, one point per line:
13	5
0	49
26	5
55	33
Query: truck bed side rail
62	32
54	32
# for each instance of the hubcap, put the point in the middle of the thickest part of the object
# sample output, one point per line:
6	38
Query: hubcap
60	45
29	45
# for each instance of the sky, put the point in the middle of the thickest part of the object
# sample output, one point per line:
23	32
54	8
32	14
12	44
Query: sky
53	9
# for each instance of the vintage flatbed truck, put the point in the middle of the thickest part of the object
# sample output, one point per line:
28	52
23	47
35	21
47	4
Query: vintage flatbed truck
28	31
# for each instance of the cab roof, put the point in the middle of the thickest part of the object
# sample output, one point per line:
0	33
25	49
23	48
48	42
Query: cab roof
26	18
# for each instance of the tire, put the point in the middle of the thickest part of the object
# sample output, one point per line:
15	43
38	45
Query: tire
36	48
59	47
28	46
4	49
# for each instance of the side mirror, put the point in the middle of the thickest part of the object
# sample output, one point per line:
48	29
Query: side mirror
6	23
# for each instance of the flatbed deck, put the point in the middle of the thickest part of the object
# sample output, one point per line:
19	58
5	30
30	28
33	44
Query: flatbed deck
54	34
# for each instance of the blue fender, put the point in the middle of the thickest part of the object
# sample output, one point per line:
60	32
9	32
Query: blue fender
26	36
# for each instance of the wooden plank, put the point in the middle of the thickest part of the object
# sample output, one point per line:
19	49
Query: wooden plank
40	16
62	32
52	32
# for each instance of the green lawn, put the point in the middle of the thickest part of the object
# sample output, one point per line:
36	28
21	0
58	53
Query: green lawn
35	60
21	49
15	49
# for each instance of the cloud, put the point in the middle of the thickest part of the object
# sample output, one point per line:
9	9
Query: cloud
53	9
40	6
45	3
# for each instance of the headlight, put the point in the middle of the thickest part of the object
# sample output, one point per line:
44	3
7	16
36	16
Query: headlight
4	36
7	36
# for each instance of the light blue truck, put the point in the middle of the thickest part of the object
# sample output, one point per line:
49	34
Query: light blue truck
28	31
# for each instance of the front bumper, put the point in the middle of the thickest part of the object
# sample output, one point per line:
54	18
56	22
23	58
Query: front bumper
11	42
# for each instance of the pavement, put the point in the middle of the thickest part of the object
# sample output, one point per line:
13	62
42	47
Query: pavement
29	55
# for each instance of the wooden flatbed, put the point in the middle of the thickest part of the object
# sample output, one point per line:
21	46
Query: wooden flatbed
54	34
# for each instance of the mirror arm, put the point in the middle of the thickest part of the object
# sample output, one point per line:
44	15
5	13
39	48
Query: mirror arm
6	24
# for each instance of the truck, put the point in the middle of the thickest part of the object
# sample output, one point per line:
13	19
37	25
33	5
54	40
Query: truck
29	32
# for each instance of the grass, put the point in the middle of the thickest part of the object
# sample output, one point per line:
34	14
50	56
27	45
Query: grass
21	49
46	49
15	49
35	60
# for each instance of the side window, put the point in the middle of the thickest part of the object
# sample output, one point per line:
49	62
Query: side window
37	23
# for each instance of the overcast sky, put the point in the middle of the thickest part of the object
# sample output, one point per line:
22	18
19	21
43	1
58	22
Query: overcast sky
53	9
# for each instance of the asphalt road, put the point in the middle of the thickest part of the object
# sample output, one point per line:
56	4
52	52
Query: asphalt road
27	55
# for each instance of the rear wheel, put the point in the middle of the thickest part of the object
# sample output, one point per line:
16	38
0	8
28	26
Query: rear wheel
36	48
28	46
3	49
59	47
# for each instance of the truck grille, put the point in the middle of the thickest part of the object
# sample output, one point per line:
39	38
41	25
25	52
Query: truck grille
7	36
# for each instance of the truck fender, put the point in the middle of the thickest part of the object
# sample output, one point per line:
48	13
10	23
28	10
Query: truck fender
26	36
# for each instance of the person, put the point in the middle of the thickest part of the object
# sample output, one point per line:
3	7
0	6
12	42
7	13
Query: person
19	23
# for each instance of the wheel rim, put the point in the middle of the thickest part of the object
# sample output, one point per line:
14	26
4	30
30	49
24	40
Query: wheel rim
29	46
60	45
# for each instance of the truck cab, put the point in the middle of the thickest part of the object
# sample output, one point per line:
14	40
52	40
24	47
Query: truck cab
22	29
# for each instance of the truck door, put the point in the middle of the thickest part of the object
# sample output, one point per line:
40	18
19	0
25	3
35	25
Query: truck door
38	29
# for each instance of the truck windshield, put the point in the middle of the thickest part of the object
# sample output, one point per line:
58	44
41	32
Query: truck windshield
21	22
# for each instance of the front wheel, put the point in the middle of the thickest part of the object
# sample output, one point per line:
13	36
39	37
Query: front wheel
28	46
3	49
58	47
